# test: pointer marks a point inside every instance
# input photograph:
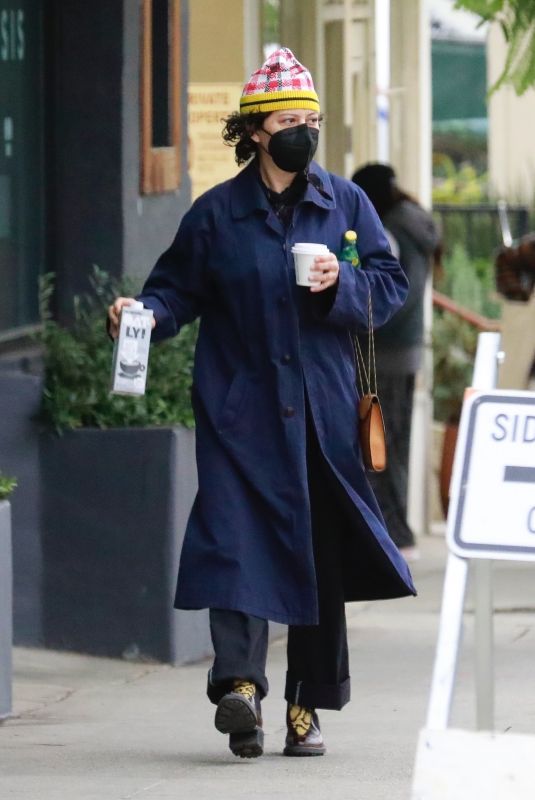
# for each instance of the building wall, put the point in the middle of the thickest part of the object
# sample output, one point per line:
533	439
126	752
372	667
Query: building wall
335	41
84	135
511	125
148	222
410	101
217	37
231	30
95	215
100	217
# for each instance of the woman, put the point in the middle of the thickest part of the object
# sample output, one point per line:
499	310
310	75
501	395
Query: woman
284	525
399	344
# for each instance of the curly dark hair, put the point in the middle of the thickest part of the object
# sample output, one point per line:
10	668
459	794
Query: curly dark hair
237	133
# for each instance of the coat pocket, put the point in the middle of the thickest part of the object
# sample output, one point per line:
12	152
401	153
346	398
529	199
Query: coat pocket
234	401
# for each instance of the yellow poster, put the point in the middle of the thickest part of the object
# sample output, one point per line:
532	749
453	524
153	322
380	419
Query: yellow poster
210	159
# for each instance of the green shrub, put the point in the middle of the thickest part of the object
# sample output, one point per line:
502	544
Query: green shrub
470	282
78	361
7	485
457	185
454	349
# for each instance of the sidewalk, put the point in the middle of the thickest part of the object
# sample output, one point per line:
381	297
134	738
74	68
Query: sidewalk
89	728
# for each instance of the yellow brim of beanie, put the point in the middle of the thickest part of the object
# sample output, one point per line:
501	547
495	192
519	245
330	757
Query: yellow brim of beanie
278	101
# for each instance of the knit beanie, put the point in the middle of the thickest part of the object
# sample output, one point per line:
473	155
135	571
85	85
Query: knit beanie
281	82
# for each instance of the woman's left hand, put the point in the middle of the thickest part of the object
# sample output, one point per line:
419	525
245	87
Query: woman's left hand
324	272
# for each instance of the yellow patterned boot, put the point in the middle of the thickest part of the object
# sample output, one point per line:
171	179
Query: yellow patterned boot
303	736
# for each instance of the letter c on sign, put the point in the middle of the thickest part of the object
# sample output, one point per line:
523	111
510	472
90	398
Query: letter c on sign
531	520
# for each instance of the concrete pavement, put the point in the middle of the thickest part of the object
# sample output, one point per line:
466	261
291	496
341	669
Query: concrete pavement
88	728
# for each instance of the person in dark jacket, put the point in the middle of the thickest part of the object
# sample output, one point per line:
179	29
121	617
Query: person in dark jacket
285	526
399	344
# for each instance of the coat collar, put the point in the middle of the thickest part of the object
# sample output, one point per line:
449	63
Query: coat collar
246	195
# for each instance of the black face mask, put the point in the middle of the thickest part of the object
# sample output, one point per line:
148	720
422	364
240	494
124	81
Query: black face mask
292	149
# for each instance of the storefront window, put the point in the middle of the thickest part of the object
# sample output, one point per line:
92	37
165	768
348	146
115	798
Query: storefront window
21	164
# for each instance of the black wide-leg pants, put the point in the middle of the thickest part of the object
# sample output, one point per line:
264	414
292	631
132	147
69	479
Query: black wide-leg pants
318	666
391	486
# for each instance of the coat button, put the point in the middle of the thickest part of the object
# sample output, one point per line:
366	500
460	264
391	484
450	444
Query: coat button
286	358
288	411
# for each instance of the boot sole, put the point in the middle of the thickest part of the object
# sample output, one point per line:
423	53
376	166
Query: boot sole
249	744
234	715
303	752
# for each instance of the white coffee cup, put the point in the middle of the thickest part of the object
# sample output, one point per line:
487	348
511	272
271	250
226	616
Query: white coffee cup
304	254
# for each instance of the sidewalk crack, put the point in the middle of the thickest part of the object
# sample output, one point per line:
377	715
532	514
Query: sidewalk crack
42	705
148	671
139	791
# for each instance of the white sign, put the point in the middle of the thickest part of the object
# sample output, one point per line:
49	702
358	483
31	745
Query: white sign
210	160
463	765
492	511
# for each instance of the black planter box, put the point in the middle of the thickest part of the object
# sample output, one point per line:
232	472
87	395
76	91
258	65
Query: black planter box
6	609
115	506
20	400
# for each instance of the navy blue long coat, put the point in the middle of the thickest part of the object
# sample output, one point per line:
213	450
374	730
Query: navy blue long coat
264	342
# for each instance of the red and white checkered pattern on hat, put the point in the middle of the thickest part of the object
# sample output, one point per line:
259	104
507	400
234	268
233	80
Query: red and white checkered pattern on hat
281	82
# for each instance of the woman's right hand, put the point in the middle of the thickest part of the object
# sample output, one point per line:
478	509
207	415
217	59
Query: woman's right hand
114	313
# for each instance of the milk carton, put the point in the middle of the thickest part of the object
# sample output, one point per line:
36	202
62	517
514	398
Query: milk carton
131	350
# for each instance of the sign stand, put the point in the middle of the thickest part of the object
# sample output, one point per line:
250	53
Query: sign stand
488	358
463	764
484	645
449	639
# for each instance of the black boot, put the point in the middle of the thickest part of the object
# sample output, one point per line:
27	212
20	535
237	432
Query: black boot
238	713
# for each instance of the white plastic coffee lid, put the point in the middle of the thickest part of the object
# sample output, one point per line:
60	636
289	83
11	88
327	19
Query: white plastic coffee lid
309	247
137	305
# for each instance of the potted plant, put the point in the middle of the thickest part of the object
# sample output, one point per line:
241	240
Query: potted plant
469	283
454	348
119	478
7	485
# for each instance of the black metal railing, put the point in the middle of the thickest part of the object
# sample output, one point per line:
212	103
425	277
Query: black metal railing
477	227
